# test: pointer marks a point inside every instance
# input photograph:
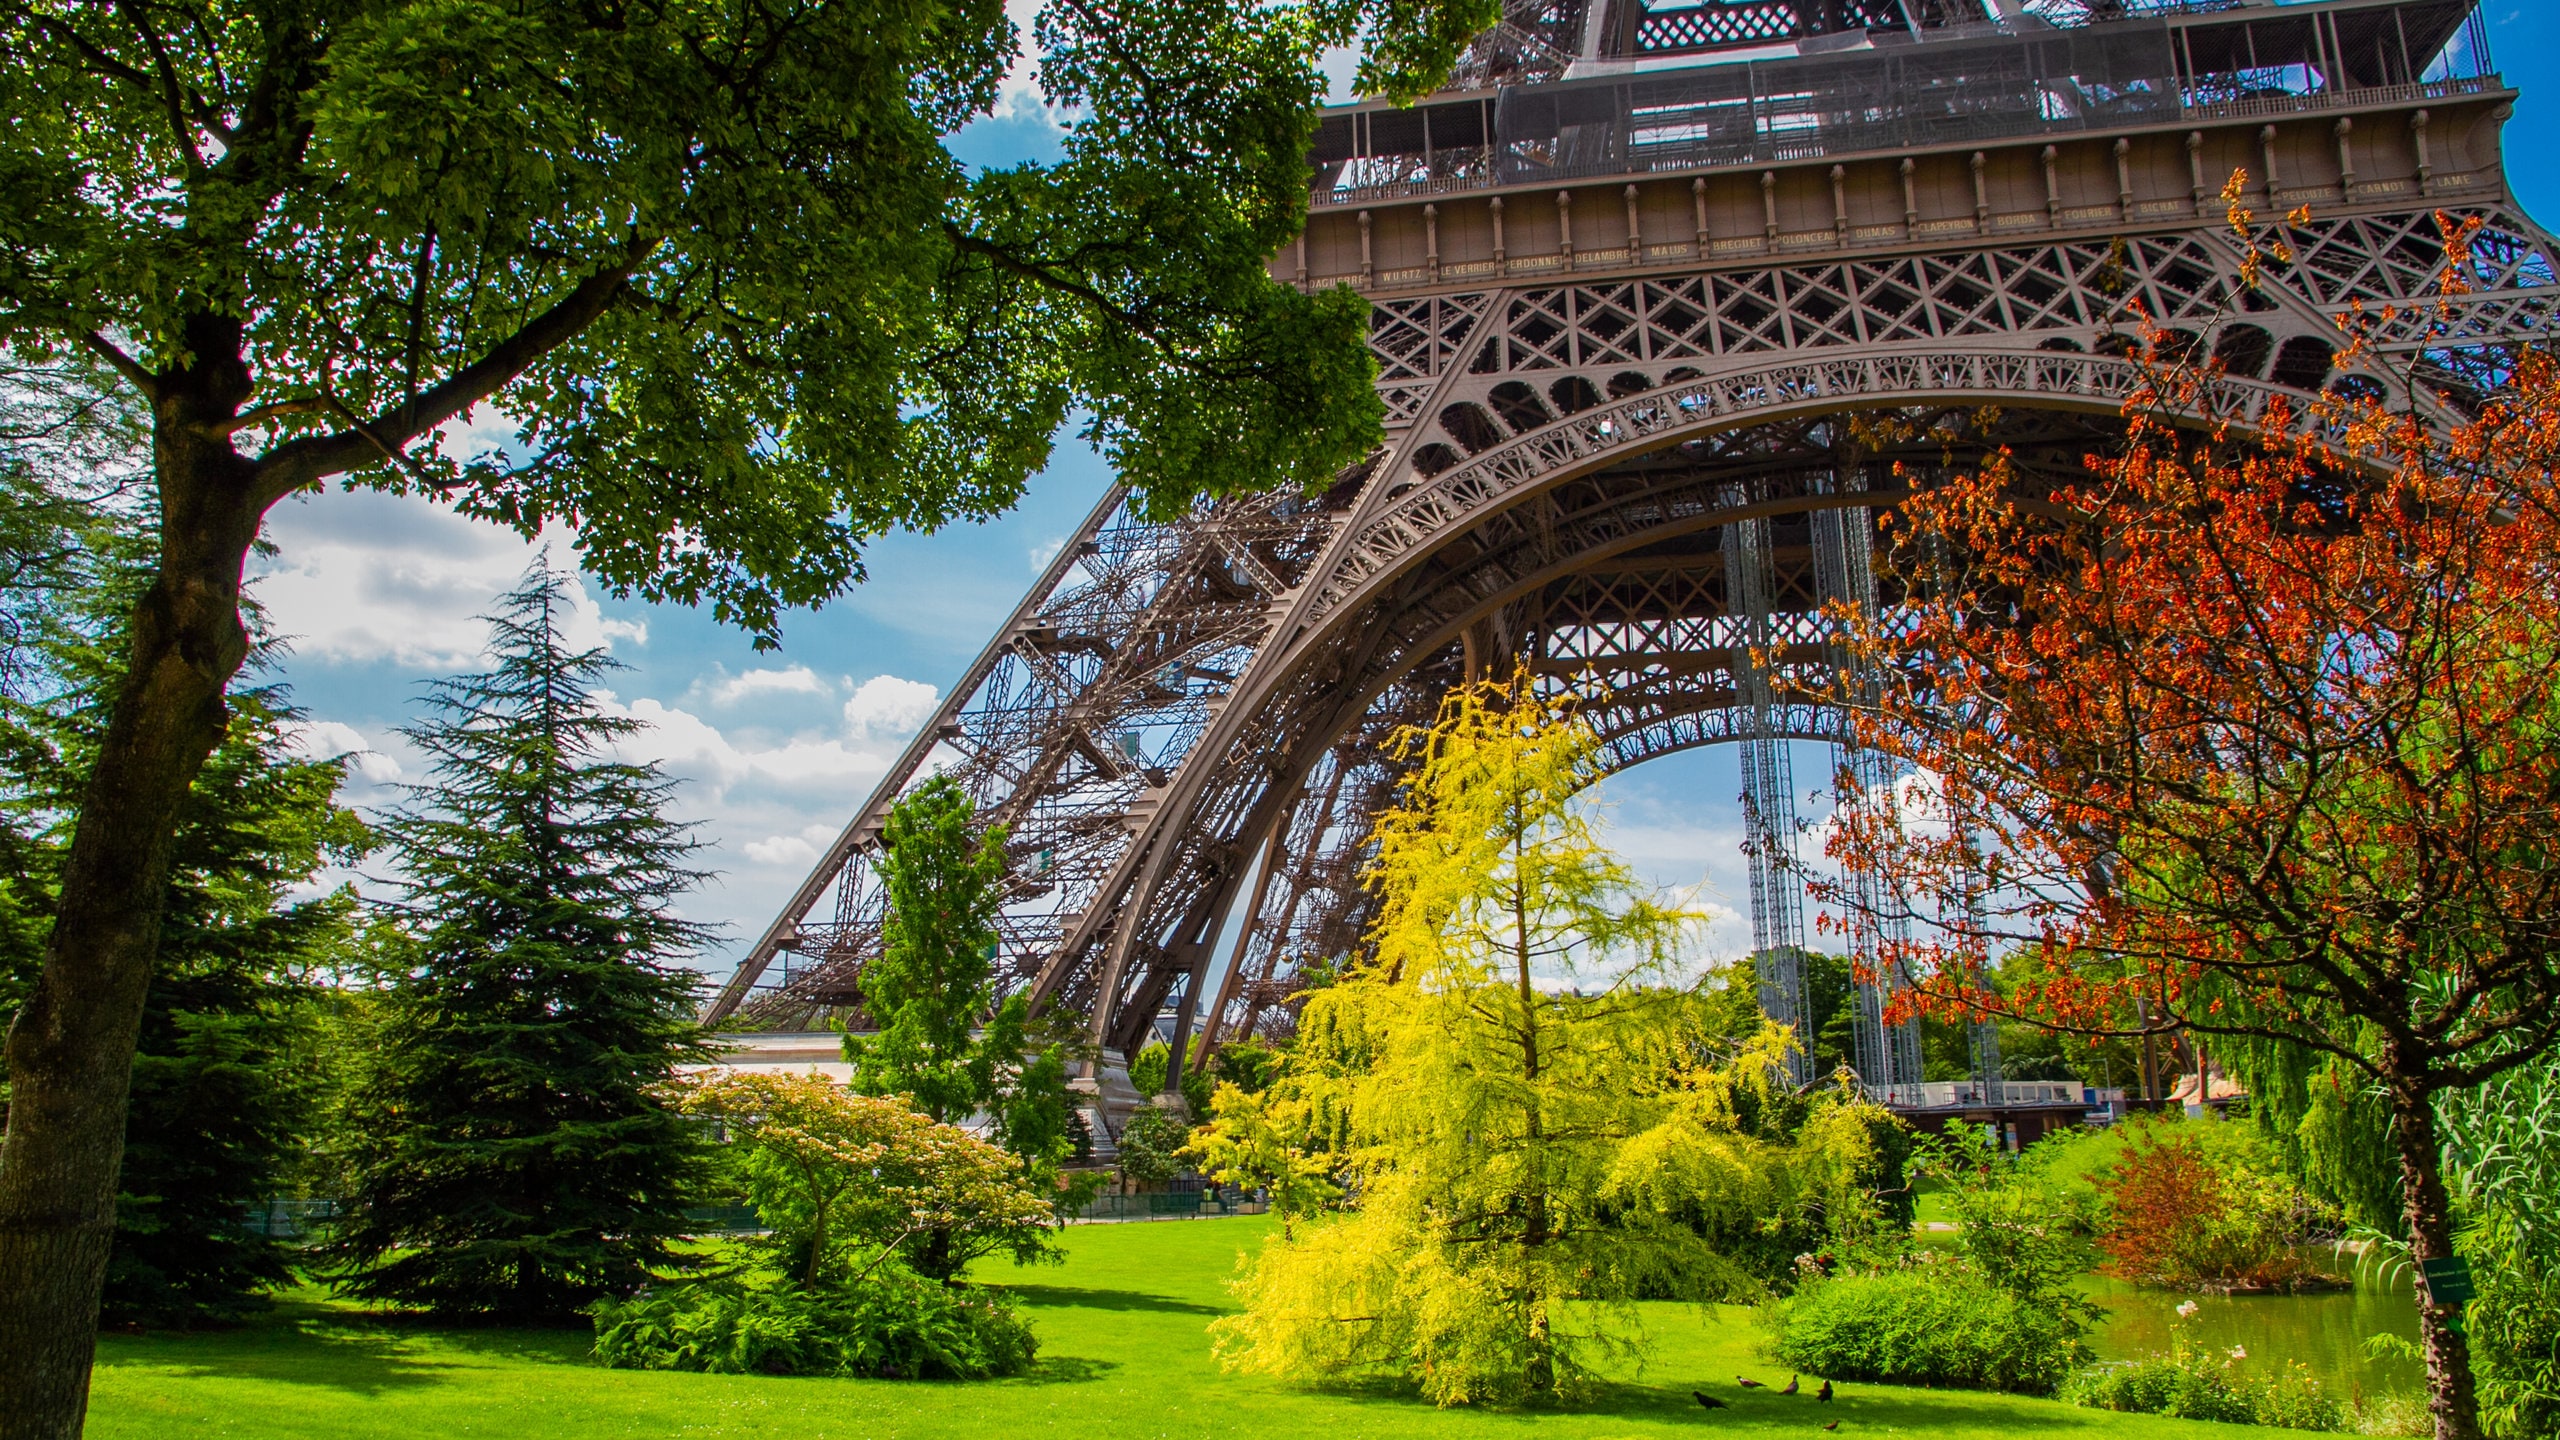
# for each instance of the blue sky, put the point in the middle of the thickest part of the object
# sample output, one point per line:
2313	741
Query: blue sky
772	752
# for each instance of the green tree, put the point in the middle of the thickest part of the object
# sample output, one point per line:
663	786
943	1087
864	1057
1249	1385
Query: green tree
1259	1140
1826	1034
720	266
220	1094
943	1035
223	1096
1151	1068
1151	1145
2329	1124
1247	1064
1529	1159
933	984
516	1152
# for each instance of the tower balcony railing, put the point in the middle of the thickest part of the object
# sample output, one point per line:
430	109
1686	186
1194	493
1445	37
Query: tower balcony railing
1484	167
1828	97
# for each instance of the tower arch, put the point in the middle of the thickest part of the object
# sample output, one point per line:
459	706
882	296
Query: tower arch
1768	309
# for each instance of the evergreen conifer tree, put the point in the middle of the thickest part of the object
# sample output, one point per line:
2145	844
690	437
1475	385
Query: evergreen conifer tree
222	1094
219	1098
514	1152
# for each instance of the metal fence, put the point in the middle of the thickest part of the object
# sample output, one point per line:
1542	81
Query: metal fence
288	1219
1168	1205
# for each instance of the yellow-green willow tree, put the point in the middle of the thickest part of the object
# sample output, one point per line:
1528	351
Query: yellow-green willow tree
1516	1088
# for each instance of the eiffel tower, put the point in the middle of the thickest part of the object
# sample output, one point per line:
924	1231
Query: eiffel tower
1662	295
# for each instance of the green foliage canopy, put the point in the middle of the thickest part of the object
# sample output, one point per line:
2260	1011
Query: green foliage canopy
933	982
718	262
1151	1145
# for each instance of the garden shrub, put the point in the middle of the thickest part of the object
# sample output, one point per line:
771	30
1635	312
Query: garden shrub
2515	1336
1150	1147
1929	1324
2015	1225
2507	1137
2206	1385
888	1325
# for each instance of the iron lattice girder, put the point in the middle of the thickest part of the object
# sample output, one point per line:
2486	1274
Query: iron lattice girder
1561	458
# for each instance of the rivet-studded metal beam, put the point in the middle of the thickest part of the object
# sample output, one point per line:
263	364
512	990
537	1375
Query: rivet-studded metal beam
1182	725
1768	785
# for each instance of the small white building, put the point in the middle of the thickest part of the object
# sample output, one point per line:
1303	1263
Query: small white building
1107	1099
782	1052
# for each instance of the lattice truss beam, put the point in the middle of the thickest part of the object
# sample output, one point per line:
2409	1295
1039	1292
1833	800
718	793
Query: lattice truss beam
1181	723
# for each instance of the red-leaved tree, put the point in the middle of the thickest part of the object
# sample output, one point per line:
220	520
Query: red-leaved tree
2175	1218
2254	725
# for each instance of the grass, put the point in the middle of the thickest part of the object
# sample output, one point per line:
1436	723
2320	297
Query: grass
1123	1355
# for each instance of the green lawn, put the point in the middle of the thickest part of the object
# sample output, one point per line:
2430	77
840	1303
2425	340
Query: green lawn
1123	1355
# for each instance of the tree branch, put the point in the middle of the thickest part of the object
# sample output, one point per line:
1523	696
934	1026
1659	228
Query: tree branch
173	96
1042	275
261	414
125	365
298	463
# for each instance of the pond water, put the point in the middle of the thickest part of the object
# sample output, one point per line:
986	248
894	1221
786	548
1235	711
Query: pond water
2324	1331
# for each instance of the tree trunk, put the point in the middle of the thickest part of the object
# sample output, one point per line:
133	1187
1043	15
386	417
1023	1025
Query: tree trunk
70	1050
1541	1371
2453	1396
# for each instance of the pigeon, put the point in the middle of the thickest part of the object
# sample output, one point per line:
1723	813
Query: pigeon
1791	1385
1834	1425
1746	1382
1823	1394
1708	1400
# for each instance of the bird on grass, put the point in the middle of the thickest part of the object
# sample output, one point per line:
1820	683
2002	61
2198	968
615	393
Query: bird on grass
1823	1394
1746	1382
1791	1385
1708	1400
1834	1425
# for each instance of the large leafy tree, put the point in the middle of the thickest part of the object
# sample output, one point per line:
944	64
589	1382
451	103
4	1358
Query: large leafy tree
2258	735
1530	1156
719	264
515	1151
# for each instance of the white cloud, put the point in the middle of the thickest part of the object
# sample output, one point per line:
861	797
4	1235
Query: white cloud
809	768
330	739
1046	551
679	740
364	577
888	708
796	852
757	684
1020	92
478	431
